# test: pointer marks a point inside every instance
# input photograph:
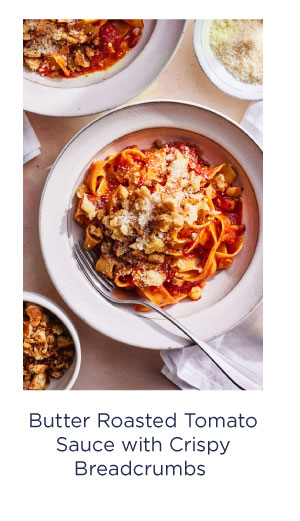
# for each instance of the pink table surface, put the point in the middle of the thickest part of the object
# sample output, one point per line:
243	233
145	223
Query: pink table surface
107	364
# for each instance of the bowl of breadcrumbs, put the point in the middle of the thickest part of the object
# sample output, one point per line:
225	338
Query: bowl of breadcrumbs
51	347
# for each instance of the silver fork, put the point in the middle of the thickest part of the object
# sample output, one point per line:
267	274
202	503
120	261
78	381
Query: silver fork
242	377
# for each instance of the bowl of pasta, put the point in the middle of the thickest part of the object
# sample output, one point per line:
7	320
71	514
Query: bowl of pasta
168	197
76	67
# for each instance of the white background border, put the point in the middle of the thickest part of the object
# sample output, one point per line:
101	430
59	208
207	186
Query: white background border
257	480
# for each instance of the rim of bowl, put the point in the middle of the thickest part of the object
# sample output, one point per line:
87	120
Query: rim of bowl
37	298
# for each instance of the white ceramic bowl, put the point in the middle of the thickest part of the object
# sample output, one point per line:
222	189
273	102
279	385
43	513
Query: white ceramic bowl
103	90
229	296
214	69
68	379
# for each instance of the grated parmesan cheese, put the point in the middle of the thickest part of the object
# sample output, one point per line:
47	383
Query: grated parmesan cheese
146	217
238	45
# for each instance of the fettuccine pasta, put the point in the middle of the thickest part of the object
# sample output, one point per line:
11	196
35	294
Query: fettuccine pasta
67	48
161	220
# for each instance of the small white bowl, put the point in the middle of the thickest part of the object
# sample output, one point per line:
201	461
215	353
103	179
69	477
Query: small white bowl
214	69
68	379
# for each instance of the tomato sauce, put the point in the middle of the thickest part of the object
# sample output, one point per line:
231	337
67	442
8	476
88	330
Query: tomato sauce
98	202
184	289
108	44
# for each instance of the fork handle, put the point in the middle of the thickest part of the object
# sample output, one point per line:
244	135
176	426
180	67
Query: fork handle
242	377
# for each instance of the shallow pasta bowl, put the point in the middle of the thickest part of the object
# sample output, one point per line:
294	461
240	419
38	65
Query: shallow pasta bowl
103	90
229	296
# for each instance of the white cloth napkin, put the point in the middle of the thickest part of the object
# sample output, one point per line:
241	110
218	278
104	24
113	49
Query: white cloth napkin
31	144
189	368
253	121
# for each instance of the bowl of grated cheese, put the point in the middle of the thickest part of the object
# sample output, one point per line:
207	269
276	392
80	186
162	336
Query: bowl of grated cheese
230	52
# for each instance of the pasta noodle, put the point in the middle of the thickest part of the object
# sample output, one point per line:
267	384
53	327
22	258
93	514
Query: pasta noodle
70	48
161	220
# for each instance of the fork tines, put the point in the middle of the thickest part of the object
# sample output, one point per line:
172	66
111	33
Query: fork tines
88	259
